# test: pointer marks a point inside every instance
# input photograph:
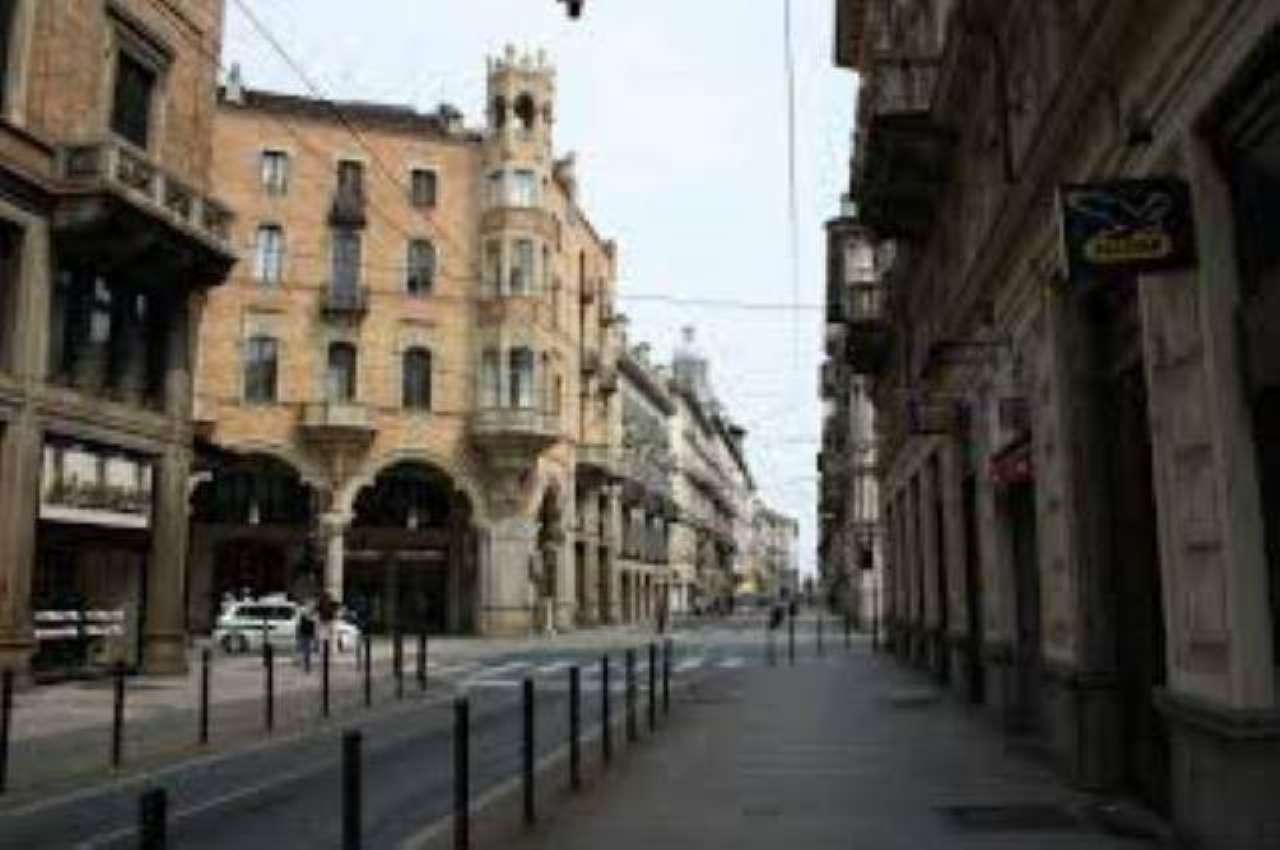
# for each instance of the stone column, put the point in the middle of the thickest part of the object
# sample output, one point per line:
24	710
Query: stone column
333	529
20	456
131	379
507	605
165	640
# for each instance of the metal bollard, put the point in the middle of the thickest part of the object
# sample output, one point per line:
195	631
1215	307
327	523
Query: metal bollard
666	677
398	663
352	791
368	671
791	639
575	728
324	678
117	716
630	688
422	660
653	687
6	725
153	820
526	754
269	656
205	660
606	728
461	774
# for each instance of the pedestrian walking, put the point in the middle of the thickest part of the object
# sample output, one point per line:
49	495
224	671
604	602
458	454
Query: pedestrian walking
306	637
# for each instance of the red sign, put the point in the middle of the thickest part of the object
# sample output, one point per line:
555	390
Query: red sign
1012	466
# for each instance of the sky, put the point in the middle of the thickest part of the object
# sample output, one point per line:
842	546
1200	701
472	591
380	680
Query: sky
677	110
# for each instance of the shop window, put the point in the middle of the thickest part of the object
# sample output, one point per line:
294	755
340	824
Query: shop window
268	263
260	370
342	372
520	366
275	172
10	278
521	280
132	104
417	379
421	275
422	192
347	251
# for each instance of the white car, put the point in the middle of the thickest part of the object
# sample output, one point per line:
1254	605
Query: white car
242	626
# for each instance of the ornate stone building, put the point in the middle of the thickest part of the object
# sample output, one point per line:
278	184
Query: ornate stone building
1079	478
109	237
408	388
712	488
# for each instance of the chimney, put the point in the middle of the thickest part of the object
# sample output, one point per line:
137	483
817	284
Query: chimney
233	91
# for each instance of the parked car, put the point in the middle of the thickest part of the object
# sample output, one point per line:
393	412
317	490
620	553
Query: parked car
244	625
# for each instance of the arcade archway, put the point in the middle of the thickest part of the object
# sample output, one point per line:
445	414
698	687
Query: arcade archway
411	552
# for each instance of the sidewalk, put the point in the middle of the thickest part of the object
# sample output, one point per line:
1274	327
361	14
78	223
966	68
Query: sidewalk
847	752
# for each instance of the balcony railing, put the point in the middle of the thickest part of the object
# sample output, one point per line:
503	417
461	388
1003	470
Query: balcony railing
590	361
348	207
337	420
866	304
606	459
113	165
345	303
518	426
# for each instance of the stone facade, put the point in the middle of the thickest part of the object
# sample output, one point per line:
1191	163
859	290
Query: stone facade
1078	481
420	338
109	239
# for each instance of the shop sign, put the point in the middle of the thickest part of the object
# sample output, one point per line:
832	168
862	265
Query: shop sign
89	486
1125	227
72	625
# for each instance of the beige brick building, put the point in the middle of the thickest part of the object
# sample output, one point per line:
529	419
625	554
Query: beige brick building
408	388
108	235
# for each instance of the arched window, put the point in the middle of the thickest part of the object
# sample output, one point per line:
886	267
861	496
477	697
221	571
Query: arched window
342	372
520	372
421	267
498	112
260	369
526	110
417	379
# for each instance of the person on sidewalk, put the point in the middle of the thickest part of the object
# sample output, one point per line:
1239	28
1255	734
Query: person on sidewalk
306	637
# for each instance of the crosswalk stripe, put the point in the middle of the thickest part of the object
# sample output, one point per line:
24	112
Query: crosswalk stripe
553	667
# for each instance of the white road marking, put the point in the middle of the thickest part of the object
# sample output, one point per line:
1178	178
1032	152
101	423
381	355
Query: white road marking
554	667
689	664
731	663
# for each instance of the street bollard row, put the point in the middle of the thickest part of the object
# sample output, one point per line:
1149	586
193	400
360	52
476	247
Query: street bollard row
153	803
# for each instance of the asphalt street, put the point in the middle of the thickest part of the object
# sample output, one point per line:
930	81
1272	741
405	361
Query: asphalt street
288	794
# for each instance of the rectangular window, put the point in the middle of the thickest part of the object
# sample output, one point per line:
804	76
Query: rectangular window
342	372
260	369
268	262
417	379
520	364
346	260
351	177
521	267
423	188
524	189
493	267
131	107
490	383
275	172
494	189
421	271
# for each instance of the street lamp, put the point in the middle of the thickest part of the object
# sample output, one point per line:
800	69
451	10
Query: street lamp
574	7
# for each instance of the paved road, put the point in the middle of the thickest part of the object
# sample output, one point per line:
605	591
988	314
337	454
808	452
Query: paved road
286	794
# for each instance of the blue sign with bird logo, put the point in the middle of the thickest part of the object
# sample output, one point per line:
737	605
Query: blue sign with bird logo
1127	227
